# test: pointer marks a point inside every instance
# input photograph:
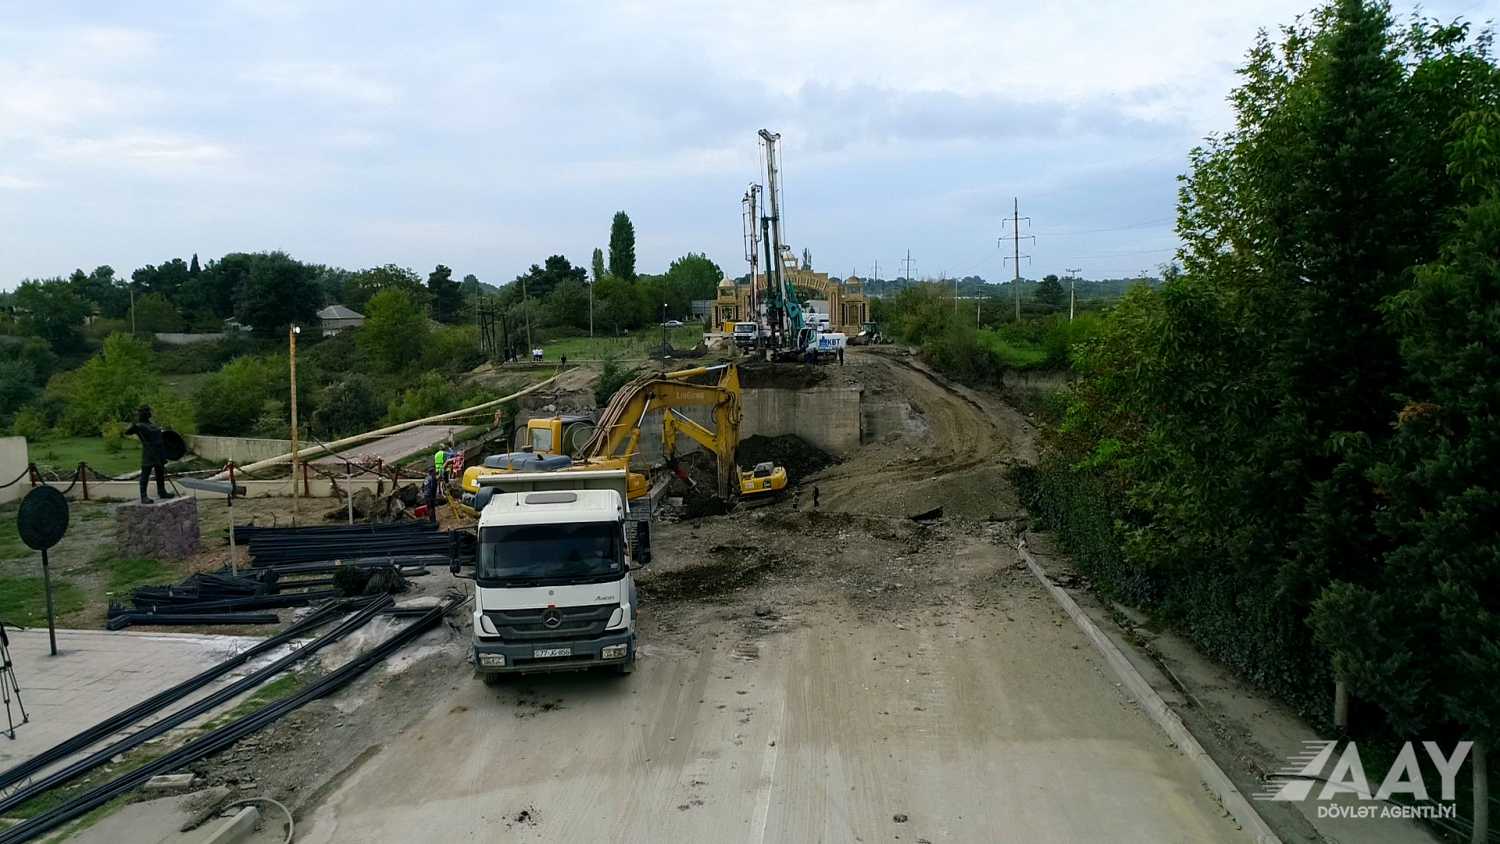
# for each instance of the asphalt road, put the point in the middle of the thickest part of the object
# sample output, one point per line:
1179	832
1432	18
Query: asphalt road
990	722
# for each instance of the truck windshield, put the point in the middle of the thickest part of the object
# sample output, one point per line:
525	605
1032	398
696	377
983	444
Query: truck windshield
561	553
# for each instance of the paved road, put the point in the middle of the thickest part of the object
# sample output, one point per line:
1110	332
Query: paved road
395	446
986	724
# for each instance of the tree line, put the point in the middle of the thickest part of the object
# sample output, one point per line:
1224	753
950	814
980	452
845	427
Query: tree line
1288	451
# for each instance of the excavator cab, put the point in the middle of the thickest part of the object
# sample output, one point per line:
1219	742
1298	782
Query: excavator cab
763	481
556	434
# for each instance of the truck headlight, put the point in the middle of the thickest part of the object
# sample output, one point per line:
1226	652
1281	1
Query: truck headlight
487	627
613	651
616	619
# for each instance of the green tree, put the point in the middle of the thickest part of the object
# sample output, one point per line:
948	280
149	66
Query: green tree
231	400
52	311
155	312
619	305
394	332
166	279
363	285
622	247
569	304
348	406
1226	421
539	281
1422	636
1050	292
447	298
102	290
278	291
693	276
210	295
193	268
108	387
597	266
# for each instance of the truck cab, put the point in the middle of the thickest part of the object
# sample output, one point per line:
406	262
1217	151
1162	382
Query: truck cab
746	334
553	585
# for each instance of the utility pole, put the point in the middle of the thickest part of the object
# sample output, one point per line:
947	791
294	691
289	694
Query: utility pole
1072	289
1015	225
591	307
527	309
132	307
291	336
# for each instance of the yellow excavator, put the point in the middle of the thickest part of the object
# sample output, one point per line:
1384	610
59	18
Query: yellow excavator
566	443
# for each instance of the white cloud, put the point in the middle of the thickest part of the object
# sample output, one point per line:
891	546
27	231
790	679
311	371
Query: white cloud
140	148
324	80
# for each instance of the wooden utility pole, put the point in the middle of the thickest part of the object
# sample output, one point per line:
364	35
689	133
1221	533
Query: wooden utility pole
291	335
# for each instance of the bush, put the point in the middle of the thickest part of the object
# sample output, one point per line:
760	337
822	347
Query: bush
31	423
232	400
348	406
110	385
611	380
433	394
958	353
113	433
452	349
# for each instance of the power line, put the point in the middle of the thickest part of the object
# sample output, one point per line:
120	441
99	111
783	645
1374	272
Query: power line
1132	227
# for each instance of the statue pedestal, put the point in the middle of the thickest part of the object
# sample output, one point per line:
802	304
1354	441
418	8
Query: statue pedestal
159	530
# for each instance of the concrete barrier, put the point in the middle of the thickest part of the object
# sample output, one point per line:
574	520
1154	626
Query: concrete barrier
13	462
241	450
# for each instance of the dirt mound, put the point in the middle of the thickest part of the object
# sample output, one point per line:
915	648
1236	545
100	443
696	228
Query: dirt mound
783	376
800	457
729	569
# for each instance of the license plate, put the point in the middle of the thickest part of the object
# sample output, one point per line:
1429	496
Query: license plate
544	653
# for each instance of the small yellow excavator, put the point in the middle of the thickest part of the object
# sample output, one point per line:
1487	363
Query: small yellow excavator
612	440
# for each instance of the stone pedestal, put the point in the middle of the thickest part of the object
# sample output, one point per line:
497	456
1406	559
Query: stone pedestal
161	530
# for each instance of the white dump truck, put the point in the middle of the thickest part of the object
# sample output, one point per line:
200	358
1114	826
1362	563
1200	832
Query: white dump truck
553	589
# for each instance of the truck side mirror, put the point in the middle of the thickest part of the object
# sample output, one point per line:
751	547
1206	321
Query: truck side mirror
643	543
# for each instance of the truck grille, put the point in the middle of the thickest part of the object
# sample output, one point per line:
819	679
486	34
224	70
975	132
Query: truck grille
530	625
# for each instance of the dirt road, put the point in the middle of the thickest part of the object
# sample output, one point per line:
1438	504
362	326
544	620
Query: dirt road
805	676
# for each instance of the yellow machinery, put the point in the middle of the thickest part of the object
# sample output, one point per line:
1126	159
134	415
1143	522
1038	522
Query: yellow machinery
615	437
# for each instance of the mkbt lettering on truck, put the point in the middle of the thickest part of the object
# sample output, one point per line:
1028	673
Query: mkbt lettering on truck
553	589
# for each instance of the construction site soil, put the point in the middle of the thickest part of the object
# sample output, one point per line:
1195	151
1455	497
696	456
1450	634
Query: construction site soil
837	673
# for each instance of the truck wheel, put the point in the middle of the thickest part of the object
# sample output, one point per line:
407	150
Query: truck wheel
626	667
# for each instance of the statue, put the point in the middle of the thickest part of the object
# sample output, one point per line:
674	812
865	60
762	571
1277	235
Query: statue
153	453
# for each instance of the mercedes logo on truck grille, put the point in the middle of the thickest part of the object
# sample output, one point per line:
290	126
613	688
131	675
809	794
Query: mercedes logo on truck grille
551	618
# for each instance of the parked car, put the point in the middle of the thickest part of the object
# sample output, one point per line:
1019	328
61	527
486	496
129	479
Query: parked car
673	323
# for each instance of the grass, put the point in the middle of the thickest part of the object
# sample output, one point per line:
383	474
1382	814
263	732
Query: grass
11	546
284	686
23	600
125	575
64	453
1014	354
635	345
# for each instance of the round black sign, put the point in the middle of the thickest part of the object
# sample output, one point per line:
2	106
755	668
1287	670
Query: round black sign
173	446
43	518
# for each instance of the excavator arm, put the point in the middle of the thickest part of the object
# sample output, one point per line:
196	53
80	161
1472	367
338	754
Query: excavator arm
619	427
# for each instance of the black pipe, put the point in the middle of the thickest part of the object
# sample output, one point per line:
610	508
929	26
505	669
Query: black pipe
225	736
177	619
193	710
125	718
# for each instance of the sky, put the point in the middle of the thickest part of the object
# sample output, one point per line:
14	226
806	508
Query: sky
489	135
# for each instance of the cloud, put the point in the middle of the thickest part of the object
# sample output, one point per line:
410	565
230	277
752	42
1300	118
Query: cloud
142	149
324	81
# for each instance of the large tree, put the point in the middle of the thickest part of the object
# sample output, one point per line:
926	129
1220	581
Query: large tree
1050	292
52	311
1235	412
102	290
166	279
447	298
364	284
598	265
622	247
278	291
539	281
394	331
